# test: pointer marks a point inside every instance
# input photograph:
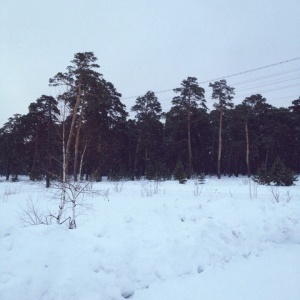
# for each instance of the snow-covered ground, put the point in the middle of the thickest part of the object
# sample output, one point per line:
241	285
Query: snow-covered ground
148	242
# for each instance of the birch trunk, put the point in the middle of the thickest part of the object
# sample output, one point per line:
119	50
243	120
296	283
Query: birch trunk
63	192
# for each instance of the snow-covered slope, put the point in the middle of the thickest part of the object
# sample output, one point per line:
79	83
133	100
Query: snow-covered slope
174	242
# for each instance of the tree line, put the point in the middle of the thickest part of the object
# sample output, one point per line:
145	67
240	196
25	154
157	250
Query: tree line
85	132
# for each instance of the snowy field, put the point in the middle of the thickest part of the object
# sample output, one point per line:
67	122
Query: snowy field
226	240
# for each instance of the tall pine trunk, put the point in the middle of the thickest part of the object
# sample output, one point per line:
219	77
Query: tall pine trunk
247	148
81	159
76	152
98	171
7	171
33	173
147	153
48	175
71	133
190	168
137	152
220	143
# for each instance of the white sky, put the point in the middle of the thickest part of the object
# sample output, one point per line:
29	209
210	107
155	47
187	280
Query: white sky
146	45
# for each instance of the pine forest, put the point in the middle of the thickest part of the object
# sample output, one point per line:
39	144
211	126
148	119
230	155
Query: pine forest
86	131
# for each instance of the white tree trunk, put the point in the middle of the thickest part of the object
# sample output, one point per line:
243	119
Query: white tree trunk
64	177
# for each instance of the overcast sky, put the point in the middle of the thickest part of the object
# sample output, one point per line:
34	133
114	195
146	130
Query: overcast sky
153	45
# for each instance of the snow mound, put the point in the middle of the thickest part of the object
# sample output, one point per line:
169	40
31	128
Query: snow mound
164	245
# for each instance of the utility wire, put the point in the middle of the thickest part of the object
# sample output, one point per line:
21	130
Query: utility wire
167	101
265	84
275	89
264	77
228	76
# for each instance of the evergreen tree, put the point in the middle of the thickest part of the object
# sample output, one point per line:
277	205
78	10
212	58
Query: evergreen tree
190	95
281	175
96	110
40	122
249	110
179	173
13	147
148	132
296	106
104	130
78	79
262	176
295	131
223	93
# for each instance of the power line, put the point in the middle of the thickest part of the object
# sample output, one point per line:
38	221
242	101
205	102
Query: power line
236	97
275	89
252	70
266	83
228	76
265	77
256	86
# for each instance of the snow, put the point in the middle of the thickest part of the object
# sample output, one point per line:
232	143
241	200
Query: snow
154	242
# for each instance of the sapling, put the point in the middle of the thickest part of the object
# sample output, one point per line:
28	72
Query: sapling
156	183
71	192
147	189
288	196
201	178
197	188
32	215
253	185
179	173
72	195
275	193
118	185
7	192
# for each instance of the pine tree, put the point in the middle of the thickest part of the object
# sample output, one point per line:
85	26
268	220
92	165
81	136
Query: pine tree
149	131
190	95
281	175
40	124
179	173
223	93
262	176
78	79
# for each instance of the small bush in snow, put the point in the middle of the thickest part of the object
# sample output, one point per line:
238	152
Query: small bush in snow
201	178
179	173
275	193
150	188
197	188
157	171
71	195
262	176
118	186
8	192
279	175
31	214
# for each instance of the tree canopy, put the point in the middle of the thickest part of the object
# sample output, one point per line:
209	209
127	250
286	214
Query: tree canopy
87	128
